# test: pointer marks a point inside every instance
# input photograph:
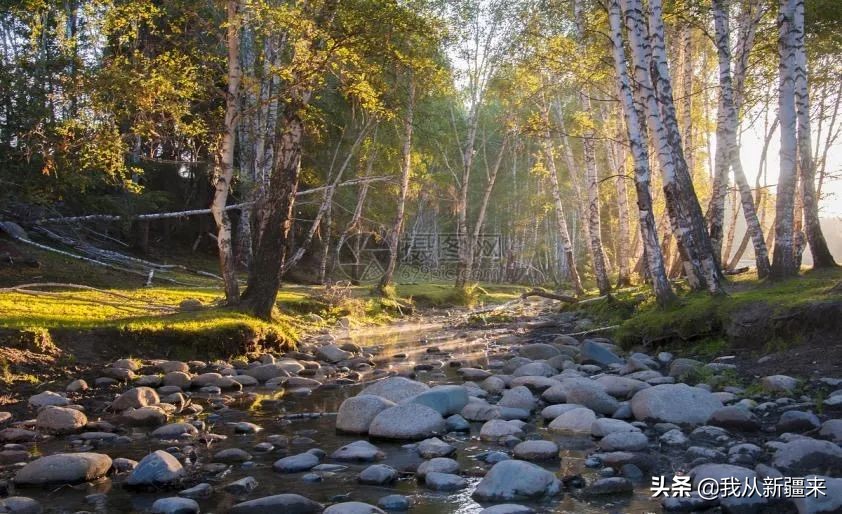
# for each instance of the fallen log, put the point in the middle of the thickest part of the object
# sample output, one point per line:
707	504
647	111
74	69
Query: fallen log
552	296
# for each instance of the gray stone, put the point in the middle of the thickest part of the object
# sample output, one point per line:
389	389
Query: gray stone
611	485
407	421
828	503
832	430
286	503
805	455
175	505
507	508
538	351
358	451
445	399
444	481
231	455
779	384
435	447
395	502
620	387
683	368
241	487
197	492
536	450
156	469
457	423
135	398
48	398
593	353
474	374
332	353
589	394
296	463
674	403
535	369
353	508
519	397
480	411
175	431
395	389
60	420
437	465
64	468
516	480
797	421
624	441
496	429
378	474
746	501
575	421
550	412
20	505
356	413
734	418
604	426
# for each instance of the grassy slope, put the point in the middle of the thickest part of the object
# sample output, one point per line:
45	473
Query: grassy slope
699	315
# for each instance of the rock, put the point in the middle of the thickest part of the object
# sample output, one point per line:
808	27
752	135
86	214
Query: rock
244	427
159	468
175	505
174	431
445	399
611	485
480	411
359	451
516	480
832	430
286	503
493	385
474	374
604	426
77	386
734	418
123	465
797	421
170	366
437	465
444	481
593	353
519	397
197	492
241	487
624	441
231	455
588	394
216	380
378	474
674	437
407	421
356	413
805	455
47	399
620	387
135	398
60	420
20	505
395	389
674	403
17	435
742	499
64	468
827	503
576	421
744	454
551	412
496	429
779	384
435	447
353	508
395	502
266	372
296	463
683	368
145	416
179	379
538	351
457	423
507	508
536	450
535	369
332	353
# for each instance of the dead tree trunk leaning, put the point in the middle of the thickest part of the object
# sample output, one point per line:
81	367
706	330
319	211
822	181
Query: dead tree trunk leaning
783	261
685	214
822	257
561	220
637	141
588	146
224	172
406	170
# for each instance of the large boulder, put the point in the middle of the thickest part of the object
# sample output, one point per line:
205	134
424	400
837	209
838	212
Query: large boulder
266	372
575	421
286	503
538	351
519	397
159	468
135	398
356	413
588	393
674	403
407	421
395	389
805	455
360	451
516	480
60	420
445	399
740	500
594	353
64	468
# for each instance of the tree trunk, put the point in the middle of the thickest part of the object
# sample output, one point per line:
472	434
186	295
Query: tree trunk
406	169
682	204
783	264
618	165
486	196
637	141
224	172
822	257
463	239
561	221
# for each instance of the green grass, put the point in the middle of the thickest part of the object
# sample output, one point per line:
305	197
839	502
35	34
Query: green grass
445	295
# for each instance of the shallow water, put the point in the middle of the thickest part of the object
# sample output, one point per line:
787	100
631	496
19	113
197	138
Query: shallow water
267	408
